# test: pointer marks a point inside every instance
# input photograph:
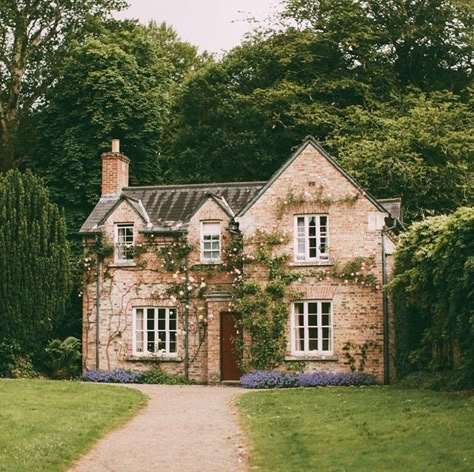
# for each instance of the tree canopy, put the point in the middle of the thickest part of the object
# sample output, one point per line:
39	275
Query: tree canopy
352	74
34	38
119	82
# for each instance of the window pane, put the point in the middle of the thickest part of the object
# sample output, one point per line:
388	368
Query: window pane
172	324
312	320
300	227
139	338
139	319
300	342
326	306
326	345
313	333
313	345
325	320
312	307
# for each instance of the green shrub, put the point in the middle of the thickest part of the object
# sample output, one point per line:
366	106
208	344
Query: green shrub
157	376
14	363
63	358
446	380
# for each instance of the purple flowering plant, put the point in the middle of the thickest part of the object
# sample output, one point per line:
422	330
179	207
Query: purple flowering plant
276	379
112	376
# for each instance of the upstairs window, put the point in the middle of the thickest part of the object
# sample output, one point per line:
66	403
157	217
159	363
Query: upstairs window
124	242
210	242
311	238
155	331
311	328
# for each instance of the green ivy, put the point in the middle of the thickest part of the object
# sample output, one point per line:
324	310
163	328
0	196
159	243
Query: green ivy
433	296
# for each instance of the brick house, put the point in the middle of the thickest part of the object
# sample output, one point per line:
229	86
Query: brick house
157	288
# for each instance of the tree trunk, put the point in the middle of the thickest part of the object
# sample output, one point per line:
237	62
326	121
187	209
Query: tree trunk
7	146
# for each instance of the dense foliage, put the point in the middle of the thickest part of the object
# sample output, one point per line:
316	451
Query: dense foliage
34	38
34	262
119	82
433	295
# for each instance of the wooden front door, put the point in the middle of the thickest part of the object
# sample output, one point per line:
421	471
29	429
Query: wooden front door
230	363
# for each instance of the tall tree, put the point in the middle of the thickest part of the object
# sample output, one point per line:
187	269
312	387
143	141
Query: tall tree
34	261
33	39
119	82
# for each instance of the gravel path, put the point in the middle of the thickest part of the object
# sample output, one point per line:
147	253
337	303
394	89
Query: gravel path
182	429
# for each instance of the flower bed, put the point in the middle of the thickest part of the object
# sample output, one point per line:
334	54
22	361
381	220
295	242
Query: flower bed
112	376
276	379
153	376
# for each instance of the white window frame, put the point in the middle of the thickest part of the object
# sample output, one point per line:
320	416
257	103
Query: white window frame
204	233
304	255
123	251
163	348
306	351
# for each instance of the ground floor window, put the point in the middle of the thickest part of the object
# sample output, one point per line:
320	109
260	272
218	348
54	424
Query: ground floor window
155	330
311	327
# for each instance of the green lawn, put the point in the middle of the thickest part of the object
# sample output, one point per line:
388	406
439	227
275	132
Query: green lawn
45	425
359	429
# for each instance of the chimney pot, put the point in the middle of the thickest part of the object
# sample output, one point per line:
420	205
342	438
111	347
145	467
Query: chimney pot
116	145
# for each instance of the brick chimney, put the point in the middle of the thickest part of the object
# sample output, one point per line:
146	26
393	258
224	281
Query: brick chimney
114	171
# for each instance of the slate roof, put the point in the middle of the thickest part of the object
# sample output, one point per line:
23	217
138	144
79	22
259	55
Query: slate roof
169	208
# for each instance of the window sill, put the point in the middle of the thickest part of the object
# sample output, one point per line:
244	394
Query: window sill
207	264
123	264
312	357
148	358
311	263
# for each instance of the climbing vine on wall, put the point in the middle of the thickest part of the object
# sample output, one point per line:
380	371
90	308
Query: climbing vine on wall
263	300
319	197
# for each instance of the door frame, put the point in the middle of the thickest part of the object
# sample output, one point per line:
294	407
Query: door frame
221	347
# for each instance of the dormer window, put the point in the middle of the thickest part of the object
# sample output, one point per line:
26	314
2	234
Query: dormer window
210	242
124	242
311	238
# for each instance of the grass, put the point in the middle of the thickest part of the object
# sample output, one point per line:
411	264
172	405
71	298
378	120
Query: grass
359	429
46	425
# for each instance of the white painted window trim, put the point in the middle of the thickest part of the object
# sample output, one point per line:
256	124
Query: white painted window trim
320	257
205	260
117	259
145	353
306	352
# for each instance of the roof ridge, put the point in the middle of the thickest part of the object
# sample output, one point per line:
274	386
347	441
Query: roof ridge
179	186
